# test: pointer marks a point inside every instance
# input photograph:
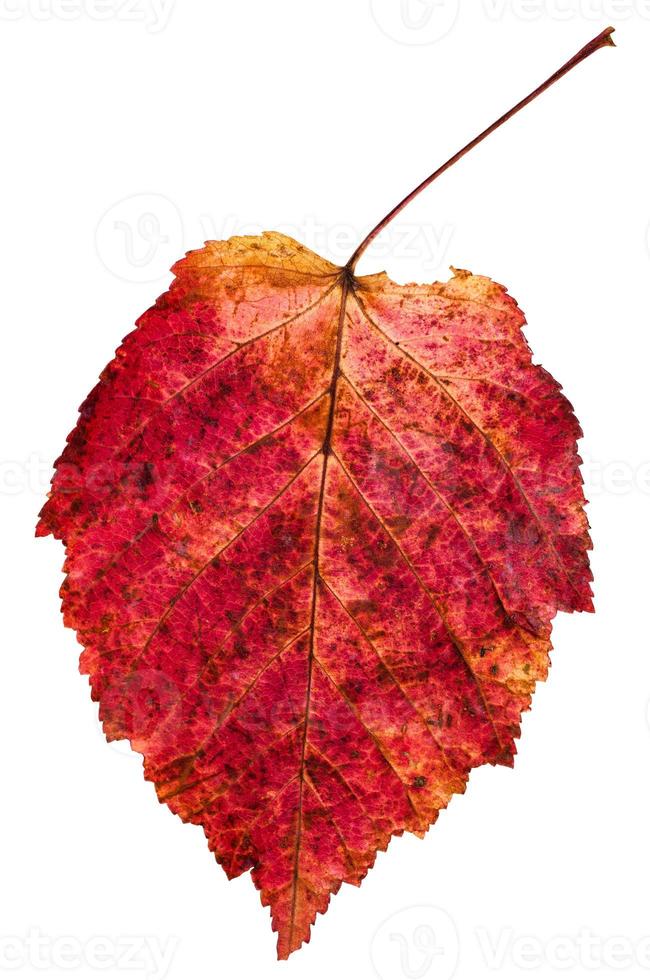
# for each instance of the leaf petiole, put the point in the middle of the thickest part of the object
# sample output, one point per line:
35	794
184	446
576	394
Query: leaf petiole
604	39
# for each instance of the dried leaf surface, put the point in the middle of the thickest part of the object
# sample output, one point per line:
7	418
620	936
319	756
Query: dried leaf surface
317	527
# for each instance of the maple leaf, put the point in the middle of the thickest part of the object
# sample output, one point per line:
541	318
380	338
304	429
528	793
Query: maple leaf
317	526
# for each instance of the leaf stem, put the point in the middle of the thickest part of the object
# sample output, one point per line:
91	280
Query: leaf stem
604	39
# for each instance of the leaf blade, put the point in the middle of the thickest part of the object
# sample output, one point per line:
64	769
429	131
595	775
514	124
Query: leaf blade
310	555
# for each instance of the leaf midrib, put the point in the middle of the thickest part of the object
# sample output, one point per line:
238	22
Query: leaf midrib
345	283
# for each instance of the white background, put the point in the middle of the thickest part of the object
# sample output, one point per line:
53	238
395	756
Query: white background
132	132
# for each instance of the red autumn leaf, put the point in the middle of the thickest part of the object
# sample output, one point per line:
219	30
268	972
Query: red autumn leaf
317	527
